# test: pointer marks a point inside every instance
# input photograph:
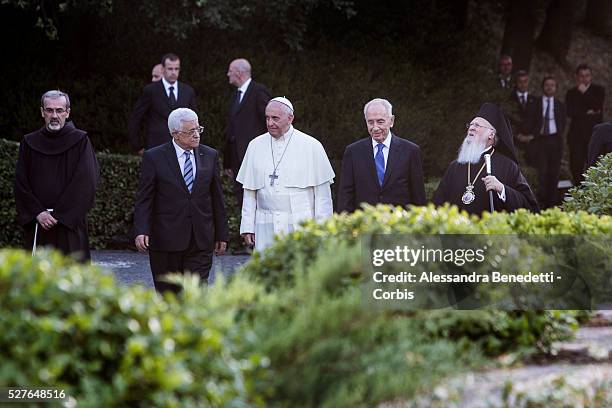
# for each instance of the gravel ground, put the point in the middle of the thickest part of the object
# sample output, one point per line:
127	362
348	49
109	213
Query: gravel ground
133	267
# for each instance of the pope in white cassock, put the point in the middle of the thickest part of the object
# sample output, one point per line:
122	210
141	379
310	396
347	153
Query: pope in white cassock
286	177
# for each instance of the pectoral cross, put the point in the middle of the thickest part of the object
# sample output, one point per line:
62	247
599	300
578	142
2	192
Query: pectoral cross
273	177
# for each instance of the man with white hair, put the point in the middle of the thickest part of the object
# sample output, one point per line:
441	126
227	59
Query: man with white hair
55	182
179	215
466	182
286	177
382	168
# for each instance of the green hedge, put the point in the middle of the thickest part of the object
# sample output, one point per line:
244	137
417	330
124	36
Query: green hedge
70	326
594	194
110	221
287	260
275	265
290	329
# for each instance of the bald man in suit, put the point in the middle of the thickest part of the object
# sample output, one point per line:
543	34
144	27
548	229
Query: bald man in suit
246	118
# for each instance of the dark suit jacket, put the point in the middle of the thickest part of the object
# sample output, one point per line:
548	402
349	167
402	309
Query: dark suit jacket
519	121
153	108
536	117
245	124
578	104
168	213
403	183
601	142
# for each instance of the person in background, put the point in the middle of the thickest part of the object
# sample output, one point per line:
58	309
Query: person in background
585	103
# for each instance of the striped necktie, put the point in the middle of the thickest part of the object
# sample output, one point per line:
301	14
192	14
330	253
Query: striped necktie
379	160
188	171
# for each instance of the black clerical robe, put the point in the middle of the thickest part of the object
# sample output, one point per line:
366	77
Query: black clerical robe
59	171
453	186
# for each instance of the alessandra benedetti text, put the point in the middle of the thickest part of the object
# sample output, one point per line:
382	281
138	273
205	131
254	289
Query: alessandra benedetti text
493	277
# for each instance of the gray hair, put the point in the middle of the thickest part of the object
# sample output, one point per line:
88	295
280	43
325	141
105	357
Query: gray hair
180	115
380	101
54	95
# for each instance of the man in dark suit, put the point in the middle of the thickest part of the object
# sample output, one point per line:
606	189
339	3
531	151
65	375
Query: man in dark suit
180	214
382	168
522	102
585	109
504	75
246	118
157	101
547	118
601	142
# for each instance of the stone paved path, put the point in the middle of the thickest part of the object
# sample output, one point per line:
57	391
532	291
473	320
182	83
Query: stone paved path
583	366
133	267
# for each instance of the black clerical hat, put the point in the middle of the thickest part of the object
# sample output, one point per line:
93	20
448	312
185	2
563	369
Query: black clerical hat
495	116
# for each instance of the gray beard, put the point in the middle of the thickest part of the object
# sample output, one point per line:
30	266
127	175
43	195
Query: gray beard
470	151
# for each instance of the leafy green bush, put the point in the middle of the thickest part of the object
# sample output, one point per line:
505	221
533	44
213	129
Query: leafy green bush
496	331
10	232
329	348
276	264
594	194
70	326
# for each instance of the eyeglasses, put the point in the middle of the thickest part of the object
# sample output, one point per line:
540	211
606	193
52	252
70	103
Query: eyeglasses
477	126
193	132
59	111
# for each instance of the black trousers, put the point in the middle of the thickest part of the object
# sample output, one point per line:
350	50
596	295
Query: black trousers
549	150
578	152
192	259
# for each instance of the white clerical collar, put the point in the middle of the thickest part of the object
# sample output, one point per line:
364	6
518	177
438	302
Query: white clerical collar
285	136
485	150
243	87
386	142
179	150
167	85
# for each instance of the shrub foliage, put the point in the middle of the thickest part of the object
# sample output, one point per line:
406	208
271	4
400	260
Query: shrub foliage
594	194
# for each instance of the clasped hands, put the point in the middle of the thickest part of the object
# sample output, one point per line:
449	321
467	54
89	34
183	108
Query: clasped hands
142	244
46	220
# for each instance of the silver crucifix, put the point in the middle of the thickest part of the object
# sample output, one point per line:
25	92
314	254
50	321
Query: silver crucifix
273	177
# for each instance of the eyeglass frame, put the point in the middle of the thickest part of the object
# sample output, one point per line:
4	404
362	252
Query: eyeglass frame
51	111
477	126
193	132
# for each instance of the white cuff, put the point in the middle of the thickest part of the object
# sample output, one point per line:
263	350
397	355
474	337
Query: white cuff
502	195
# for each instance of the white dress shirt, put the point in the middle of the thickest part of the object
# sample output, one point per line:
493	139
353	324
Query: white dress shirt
243	88
552	125
167	86
180	155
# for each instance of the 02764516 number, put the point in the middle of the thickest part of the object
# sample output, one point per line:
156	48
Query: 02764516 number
31	394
